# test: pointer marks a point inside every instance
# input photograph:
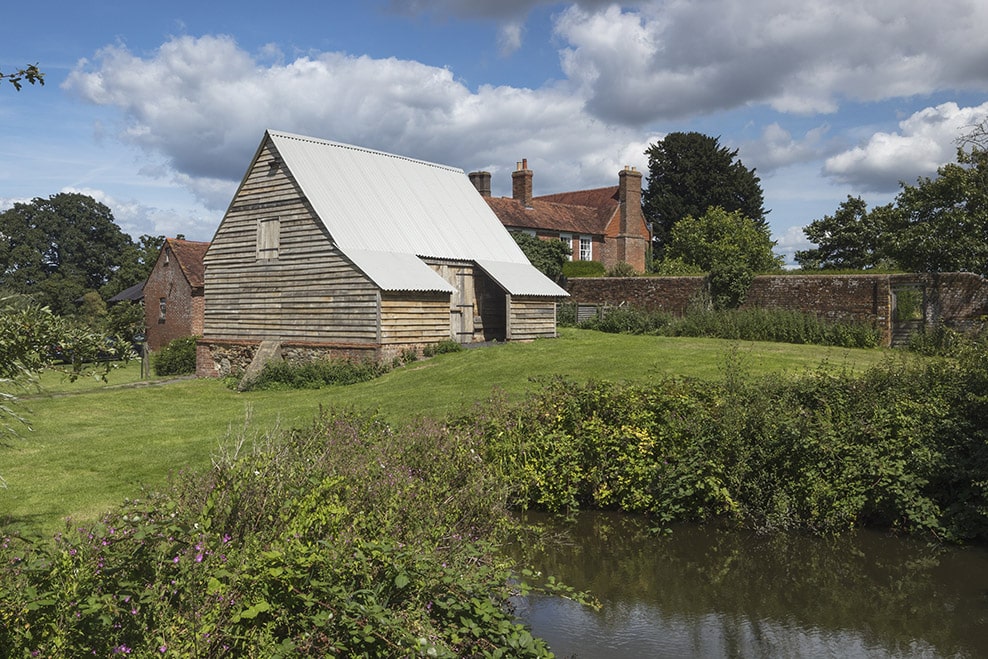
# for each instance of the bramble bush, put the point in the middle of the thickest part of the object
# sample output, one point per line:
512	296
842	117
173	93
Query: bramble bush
342	538
903	446
320	373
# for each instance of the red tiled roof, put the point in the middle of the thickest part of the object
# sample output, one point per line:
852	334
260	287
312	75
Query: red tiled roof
583	211
189	255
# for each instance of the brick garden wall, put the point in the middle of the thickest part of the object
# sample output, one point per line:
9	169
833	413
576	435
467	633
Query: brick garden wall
958	300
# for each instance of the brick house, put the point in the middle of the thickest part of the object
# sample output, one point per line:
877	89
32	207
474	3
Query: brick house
601	224
173	293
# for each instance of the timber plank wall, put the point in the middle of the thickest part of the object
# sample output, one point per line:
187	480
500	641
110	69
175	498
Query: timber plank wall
956	299
309	292
531	318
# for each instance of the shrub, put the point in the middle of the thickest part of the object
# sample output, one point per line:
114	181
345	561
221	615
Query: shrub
901	447
177	357
745	325
622	269
584	269
344	538
441	348
315	374
628	320
548	256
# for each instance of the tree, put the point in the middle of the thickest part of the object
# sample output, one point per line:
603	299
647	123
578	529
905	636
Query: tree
547	256
851	238
137	261
30	73
689	173
33	338
728	246
941	224
59	248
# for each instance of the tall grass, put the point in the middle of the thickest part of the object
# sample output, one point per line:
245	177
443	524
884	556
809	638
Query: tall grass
744	324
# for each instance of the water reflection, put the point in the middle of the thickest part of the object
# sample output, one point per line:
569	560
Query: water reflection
704	592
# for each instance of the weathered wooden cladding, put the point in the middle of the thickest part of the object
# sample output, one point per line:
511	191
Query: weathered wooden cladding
417	319
531	318
311	292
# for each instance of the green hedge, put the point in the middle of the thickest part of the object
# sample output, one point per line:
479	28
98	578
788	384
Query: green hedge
904	446
584	269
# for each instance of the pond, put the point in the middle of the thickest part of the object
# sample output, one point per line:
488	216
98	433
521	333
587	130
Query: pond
711	592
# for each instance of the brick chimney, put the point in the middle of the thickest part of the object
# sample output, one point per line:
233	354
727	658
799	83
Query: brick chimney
631	243
521	184
481	181
629	197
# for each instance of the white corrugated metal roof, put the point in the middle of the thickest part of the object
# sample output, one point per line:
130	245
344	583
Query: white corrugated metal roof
515	279
398	272
378	203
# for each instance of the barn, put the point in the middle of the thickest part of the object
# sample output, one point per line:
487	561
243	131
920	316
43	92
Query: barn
334	250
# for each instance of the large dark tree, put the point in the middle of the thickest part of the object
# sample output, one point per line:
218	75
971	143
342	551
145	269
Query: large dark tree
57	249
689	173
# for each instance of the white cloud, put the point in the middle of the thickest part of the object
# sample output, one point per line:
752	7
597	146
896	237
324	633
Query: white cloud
791	241
136	219
674	58
776	147
925	141
197	107
509	38
202	105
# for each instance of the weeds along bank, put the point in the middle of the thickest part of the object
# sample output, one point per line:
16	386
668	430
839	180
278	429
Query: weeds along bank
904	446
340	539
352	537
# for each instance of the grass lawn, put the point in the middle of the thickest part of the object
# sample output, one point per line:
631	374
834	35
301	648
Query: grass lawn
94	444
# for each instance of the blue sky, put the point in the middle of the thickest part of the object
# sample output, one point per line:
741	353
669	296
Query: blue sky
156	108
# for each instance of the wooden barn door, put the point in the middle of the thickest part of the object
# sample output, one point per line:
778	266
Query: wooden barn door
461	308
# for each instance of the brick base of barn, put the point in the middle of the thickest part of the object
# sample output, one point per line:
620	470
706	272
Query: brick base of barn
957	299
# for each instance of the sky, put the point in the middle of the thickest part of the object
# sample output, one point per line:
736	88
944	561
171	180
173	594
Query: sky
156	109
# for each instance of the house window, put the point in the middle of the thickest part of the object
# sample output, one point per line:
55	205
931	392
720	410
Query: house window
567	239
161	309
268	238
586	248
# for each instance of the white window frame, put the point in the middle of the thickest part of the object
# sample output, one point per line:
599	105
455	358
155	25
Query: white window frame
586	248
568	239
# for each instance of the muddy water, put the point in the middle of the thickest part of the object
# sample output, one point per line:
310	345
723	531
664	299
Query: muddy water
707	592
